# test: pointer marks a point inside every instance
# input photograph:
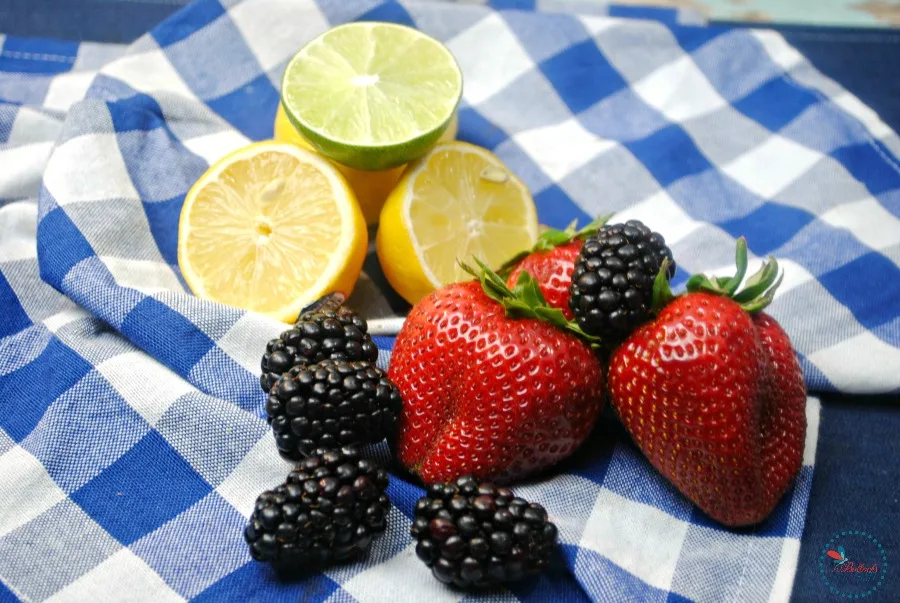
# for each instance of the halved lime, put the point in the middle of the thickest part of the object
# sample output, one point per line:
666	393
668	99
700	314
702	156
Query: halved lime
372	95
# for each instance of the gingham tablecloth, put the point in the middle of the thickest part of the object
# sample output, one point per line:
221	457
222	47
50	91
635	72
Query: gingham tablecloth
132	434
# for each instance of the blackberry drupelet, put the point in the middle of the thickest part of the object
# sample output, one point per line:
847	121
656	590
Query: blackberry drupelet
331	403
323	333
612	284
327	511
473	534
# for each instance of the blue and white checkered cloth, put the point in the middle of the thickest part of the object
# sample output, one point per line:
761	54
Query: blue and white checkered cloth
132	434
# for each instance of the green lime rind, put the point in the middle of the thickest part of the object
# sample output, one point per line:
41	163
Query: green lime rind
372	95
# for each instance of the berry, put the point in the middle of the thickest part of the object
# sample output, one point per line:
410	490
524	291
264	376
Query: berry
325	332
327	511
552	269
612	284
474	535
331	403
487	394
712	393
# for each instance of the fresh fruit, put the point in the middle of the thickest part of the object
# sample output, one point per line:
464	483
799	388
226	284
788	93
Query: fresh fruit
326	331
270	228
457	201
327	511
494	382
331	403
473	534
551	261
370	187
612	284
712	393
372	95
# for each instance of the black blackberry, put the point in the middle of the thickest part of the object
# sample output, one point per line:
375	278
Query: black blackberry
331	403
328	510
325	332
612	284
473	534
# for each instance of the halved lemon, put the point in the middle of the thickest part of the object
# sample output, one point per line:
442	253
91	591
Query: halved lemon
370	187
372	95
456	202
271	228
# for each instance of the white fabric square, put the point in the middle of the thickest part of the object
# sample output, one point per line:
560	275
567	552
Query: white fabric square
560	160
813	410
149	72
57	321
618	529
772	166
248	336
18	223
787	569
782	54
123	577
147	276
33	126
869	222
88	168
509	60
862	364
679	91
794	274
261	469
212	147
867	116
596	25
661	209
148	386
26	489
67	89
20	176
261	23
380	583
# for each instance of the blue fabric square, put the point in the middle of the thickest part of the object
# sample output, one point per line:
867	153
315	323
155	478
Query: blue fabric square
250	108
192	17
138	112
582	75
404	495
193	343
669	155
67	246
876	275
557	209
758	104
119	499
26	393
13	318
476	129
768	227
867	163
694	38
163	216
391	12
43	56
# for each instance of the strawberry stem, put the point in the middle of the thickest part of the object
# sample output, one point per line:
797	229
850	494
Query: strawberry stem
553	238
525	300
757	293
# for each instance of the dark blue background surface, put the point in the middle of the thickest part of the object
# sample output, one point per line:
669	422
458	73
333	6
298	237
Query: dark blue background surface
857	477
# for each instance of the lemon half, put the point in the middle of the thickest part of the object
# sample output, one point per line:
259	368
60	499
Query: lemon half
271	228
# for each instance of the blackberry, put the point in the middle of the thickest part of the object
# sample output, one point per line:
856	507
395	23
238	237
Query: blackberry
327	511
473	534
324	332
331	403
612	284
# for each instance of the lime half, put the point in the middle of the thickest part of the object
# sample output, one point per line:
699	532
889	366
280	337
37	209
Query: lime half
372	95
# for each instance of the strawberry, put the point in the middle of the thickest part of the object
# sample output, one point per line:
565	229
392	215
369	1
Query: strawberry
494	382
551	261
712	393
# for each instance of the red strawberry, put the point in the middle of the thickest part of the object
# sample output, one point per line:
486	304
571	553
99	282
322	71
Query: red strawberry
551	261
488	388
712	393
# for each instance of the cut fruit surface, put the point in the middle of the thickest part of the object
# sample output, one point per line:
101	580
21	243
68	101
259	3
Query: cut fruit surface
271	228
456	202
370	187
372	95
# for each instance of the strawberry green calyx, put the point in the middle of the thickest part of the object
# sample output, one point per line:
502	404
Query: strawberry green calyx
553	238
525	300
756	293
